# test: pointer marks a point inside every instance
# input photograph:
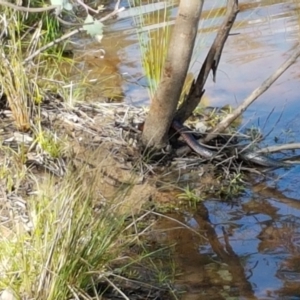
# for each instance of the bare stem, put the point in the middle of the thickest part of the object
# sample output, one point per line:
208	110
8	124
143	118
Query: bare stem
278	148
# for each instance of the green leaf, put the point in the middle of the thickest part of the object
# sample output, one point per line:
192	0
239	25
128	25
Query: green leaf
93	27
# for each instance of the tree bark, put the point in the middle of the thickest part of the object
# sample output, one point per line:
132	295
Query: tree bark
165	100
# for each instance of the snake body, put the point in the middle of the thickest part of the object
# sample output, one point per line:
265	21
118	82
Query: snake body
250	156
262	160
191	141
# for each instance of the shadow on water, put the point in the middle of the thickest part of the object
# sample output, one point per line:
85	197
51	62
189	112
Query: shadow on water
248	248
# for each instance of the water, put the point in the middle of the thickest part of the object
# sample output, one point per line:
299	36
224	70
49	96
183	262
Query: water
252	245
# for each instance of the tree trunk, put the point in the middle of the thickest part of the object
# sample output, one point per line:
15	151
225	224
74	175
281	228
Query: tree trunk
165	100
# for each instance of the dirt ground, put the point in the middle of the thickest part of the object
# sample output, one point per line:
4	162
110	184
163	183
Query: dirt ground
91	144
99	142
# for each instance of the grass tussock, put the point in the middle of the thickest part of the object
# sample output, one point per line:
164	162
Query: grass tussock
67	249
23	85
14	79
153	31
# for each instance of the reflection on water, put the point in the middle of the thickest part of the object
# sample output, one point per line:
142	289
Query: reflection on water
249	249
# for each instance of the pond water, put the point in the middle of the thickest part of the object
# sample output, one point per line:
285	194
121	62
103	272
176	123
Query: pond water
252	245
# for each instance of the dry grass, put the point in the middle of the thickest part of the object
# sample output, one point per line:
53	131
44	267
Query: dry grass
14	81
67	250
23	85
62	235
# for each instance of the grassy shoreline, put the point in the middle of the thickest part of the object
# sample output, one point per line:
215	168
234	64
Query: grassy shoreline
61	237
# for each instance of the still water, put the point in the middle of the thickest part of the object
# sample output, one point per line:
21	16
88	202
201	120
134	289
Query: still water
252	245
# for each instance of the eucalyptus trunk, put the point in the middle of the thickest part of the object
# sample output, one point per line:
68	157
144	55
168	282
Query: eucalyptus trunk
165	100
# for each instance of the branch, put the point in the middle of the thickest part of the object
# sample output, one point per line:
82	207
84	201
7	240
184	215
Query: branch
87	8
278	148
211	63
253	96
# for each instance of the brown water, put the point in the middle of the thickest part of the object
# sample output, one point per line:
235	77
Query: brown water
251	248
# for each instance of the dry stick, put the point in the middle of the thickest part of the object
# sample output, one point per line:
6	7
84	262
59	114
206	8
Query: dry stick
67	35
272	149
87	8
211	63
60	20
254	95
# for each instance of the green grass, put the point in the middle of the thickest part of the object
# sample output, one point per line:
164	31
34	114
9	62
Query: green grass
49	142
22	84
14	81
234	185
153	42
190	197
68	247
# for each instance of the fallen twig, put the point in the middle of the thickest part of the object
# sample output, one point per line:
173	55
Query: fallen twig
253	96
278	148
